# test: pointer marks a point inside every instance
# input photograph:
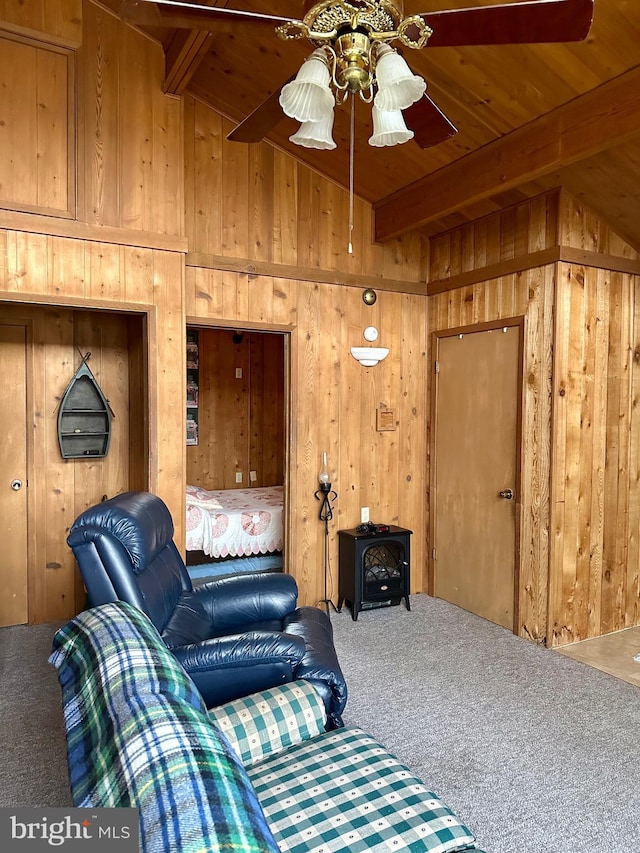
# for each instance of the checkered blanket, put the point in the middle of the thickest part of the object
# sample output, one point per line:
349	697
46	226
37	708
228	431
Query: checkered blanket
335	792
138	735
342	792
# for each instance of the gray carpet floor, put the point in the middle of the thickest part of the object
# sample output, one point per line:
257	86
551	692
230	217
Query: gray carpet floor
536	752
33	770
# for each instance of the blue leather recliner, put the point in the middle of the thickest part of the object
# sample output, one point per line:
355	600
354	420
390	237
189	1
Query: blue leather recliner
234	636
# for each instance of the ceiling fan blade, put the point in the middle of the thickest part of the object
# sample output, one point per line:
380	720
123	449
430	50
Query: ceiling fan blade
176	13
262	120
511	23
428	123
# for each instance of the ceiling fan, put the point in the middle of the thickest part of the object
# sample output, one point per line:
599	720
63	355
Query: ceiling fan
353	55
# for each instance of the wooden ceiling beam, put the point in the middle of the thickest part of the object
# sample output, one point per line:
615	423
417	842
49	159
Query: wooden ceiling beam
590	123
186	51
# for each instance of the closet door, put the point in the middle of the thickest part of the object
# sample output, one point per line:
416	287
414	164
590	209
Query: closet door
476	499
13	479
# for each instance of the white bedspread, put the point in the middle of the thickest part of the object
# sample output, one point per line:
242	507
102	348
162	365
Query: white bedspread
234	522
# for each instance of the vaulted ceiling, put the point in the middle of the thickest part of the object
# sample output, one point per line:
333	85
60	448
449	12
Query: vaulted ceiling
530	117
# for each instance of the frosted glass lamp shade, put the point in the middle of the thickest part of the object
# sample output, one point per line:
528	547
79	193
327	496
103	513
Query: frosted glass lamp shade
398	86
369	356
309	97
315	134
388	128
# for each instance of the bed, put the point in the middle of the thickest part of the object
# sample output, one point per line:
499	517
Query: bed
234	522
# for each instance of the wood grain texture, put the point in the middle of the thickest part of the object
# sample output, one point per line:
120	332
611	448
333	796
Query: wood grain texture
579	553
282	218
54	270
37	127
59	21
131	176
240	419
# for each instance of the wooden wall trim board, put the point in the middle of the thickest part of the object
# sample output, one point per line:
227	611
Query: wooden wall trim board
554	255
503	268
257	269
11	220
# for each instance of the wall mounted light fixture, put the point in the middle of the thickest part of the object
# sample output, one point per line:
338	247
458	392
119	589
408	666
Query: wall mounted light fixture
369	356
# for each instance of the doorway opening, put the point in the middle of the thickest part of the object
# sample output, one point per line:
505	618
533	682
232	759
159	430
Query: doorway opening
45	346
237	450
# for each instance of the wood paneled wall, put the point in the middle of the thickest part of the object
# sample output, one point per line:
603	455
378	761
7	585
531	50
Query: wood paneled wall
130	170
580	515
240	419
253	202
595	463
122	257
58	21
250	205
59	489
62	272
37	115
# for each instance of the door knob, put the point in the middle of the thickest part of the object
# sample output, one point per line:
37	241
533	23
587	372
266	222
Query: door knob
16	485
507	494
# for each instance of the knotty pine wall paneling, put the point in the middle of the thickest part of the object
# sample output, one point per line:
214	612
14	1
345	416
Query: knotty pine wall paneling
117	271
333	405
130	172
57	21
240	419
255	205
59	489
579	562
266	408
254	202
151	282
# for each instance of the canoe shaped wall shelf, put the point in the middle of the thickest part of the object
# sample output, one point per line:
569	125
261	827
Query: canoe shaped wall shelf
84	417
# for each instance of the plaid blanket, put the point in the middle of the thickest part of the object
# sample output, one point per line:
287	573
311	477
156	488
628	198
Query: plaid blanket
138	735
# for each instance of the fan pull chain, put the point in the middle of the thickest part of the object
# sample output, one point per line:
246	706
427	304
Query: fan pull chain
351	150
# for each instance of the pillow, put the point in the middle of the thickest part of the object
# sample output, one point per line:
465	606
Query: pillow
197	496
269	722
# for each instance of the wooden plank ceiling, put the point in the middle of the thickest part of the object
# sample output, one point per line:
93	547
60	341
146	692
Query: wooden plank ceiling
530	117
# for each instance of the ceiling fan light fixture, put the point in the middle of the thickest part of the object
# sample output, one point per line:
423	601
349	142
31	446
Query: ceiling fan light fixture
309	96
398	86
315	134
389	128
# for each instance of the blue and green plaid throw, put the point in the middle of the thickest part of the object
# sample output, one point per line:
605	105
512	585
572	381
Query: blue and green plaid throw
138	735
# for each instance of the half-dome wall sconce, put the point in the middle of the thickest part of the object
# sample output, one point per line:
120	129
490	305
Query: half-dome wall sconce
369	356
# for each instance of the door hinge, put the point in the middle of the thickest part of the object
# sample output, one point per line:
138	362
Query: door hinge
437	366
433	553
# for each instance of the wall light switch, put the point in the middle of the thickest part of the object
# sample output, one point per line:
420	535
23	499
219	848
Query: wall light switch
238	476
364	514
238	373
253	476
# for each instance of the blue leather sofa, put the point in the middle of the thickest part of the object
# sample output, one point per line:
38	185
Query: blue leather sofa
234	636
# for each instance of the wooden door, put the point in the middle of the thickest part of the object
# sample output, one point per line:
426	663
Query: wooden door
13	474
476	418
